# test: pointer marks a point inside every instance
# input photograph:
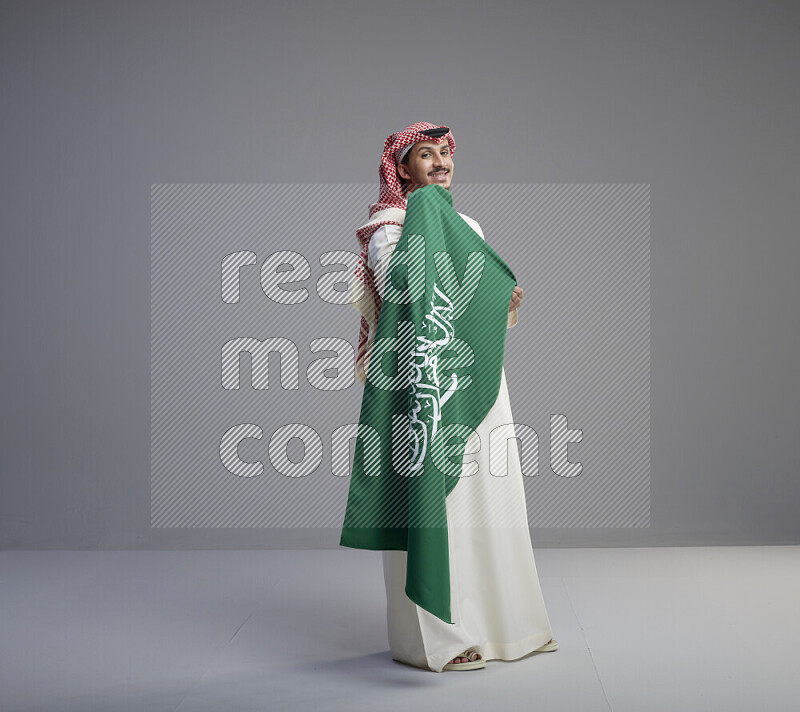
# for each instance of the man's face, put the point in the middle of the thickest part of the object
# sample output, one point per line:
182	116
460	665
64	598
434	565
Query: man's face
429	162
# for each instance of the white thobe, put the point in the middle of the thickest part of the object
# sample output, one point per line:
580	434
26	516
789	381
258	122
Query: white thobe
495	597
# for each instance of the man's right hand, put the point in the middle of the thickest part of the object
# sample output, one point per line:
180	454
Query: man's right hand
516	298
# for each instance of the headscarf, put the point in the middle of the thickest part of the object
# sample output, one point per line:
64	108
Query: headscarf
363	294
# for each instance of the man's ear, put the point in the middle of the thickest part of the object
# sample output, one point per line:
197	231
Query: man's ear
402	169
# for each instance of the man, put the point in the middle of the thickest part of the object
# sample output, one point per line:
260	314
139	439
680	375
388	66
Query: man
497	606
418	155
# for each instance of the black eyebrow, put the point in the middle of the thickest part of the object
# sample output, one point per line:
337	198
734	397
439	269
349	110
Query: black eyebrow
428	148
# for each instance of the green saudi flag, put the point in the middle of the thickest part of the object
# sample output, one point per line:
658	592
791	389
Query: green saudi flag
433	374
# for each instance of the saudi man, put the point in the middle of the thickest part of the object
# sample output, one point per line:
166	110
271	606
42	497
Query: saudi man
497	606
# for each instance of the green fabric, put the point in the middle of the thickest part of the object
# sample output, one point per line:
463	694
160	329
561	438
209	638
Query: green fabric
433	375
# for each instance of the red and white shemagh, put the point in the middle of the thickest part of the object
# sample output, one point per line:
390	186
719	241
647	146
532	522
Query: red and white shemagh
392	195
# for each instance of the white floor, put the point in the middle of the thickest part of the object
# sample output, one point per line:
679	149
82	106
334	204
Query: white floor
640	630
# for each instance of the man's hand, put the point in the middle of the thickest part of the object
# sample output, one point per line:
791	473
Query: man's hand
516	298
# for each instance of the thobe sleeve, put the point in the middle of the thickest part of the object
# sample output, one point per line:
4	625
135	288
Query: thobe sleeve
381	246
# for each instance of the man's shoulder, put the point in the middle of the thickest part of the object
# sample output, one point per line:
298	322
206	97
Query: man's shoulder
390	229
393	215
388	232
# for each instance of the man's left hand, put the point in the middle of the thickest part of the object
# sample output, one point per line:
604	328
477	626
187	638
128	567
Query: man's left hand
516	298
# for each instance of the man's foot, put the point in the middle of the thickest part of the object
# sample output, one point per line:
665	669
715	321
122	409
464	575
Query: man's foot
463	659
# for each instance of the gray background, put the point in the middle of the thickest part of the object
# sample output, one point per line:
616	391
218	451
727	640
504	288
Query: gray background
102	100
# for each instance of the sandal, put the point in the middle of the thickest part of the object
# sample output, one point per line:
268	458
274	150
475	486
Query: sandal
475	661
547	647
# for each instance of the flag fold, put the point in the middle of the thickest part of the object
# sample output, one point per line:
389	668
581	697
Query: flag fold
433	375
